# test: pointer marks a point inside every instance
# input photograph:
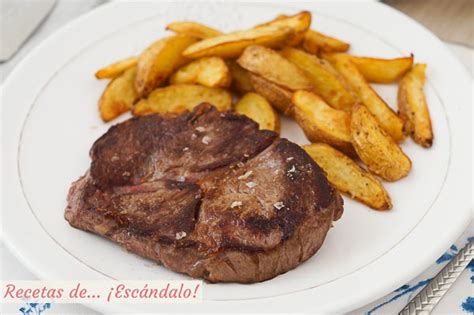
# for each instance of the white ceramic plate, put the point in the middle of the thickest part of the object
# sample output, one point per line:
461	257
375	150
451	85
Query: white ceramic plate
50	120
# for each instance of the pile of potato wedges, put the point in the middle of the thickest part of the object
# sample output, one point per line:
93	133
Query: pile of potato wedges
284	66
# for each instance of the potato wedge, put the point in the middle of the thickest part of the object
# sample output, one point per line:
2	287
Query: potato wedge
299	23
231	45
322	123
375	148
270	65
158	61
385	116
193	29
279	97
348	177
379	70
413	107
326	81
315	43
207	71
240	77
119	95
182	97
116	68
257	108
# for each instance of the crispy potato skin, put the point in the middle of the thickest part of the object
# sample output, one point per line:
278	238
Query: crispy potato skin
315	43
299	23
379	70
413	107
193	29
270	65
231	45
240	77
322	123
257	108
119	95
207	71
385	116
182	97
326	81
158	61
375	148
116	68
279	97
284	30
348	177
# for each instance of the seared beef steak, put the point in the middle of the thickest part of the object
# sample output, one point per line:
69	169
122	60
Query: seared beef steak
207	194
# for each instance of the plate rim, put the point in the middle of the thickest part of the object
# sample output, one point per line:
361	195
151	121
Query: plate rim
96	12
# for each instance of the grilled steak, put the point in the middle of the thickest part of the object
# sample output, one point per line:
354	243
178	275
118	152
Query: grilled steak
207	194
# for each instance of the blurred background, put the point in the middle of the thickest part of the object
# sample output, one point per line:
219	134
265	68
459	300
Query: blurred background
451	20
25	23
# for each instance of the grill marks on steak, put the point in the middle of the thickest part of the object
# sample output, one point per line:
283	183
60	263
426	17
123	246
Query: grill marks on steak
161	208
207	194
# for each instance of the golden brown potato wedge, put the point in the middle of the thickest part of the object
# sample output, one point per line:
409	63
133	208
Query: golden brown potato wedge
315	43
116	68
207	71
379	70
326	81
258	109
375	148
322	123
413	107
240	77
231	45
279	97
348	177
193	29
159	60
270	65
385	116
119	95
182	97
299	23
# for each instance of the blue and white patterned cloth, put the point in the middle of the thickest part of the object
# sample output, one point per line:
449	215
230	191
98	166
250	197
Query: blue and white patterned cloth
457	300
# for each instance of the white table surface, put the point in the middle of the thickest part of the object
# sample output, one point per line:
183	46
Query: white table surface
12	269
